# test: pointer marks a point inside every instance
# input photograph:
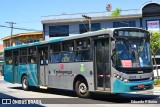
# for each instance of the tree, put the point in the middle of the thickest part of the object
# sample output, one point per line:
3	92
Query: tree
116	12
155	47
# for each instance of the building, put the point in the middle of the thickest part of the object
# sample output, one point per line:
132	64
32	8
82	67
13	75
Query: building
22	38
147	17
18	39
1	59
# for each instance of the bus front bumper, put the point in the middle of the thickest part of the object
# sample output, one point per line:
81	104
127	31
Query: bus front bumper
122	87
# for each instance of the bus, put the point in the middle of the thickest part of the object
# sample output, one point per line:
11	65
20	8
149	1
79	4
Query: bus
115	60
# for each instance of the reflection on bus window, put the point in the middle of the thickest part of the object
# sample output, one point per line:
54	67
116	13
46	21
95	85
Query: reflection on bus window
32	59
67	56
138	52
23	59
55	57
8	60
83	50
125	55
55	53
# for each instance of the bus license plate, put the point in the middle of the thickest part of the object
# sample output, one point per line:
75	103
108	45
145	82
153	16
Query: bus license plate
141	86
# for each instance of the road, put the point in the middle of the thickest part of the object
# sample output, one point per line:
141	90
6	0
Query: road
69	98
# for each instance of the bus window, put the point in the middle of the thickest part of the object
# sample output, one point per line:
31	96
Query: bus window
55	53
83	50
23	51
32	59
68	52
8	57
68	46
23	56
32	55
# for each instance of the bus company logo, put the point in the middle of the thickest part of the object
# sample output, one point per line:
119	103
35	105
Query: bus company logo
62	66
6	101
82	68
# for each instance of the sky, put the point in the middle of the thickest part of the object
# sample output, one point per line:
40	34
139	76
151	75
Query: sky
28	13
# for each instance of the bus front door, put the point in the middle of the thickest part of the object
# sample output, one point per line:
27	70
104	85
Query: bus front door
16	72
43	66
102	65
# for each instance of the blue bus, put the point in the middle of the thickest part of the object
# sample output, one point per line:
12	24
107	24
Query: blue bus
115	60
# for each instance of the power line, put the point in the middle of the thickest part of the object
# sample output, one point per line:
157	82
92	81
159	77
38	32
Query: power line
20	28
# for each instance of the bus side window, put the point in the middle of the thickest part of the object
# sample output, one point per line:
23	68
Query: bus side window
55	53
67	52
55	57
23	56
32	55
8	57
83	50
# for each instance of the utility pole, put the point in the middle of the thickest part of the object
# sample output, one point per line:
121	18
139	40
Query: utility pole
11	24
89	19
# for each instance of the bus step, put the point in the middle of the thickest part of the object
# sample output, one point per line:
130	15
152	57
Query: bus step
43	87
102	91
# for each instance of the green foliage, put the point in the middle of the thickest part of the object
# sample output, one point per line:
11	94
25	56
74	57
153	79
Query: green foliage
116	12
156	82
102	28
1	53
155	47
155	42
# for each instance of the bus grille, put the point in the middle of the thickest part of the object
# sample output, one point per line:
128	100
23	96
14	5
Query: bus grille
136	72
139	79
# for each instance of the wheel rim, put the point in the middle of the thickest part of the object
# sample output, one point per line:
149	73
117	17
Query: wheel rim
82	88
25	83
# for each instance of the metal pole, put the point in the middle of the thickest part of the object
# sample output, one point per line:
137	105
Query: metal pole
89	19
90	26
11	24
11	34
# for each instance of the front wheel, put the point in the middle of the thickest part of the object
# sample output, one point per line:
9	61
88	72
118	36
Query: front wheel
25	84
82	89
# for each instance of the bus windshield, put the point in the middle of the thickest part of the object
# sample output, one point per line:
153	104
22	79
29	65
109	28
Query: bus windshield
129	53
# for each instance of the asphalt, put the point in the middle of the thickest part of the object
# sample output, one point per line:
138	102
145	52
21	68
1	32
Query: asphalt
59	97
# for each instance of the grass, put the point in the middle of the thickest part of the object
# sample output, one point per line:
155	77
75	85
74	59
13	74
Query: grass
157	82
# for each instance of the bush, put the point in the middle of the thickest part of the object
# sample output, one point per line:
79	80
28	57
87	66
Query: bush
156	82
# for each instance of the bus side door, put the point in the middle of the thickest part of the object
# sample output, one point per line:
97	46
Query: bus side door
43	66
102	65
16	71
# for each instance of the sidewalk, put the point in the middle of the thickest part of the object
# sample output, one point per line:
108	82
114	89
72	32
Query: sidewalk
155	91
1	77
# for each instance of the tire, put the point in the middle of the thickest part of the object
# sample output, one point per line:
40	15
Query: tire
82	90
25	84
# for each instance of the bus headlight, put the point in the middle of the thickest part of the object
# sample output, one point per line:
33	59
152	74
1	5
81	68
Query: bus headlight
125	80
121	78
150	78
115	75
118	76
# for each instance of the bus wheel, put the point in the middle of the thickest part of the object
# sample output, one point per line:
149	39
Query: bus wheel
82	89
25	84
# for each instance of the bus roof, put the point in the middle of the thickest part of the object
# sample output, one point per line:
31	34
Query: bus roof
78	36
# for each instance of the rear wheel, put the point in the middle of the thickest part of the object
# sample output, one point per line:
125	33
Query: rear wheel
82	89
25	84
